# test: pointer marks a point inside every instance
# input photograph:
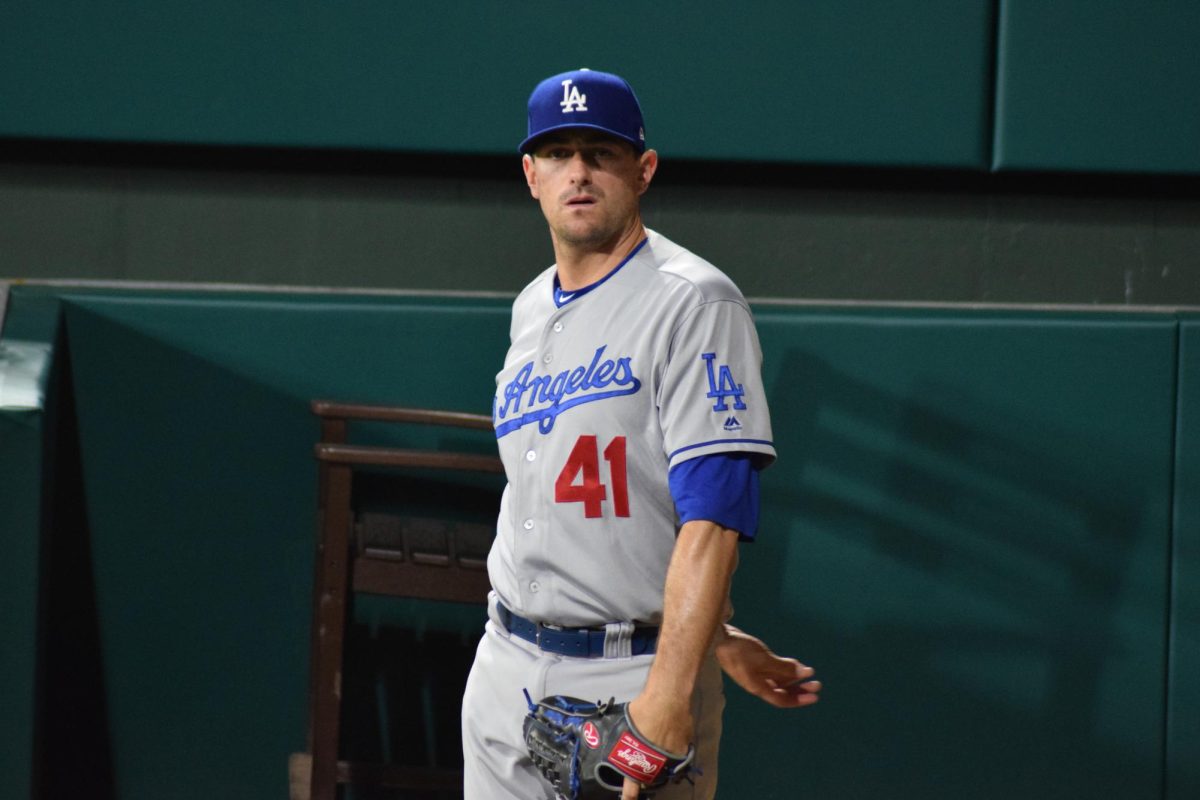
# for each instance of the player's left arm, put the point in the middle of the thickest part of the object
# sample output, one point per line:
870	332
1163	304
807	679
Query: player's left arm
697	586
782	682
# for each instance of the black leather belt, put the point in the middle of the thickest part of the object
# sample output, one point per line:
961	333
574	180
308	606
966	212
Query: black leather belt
578	642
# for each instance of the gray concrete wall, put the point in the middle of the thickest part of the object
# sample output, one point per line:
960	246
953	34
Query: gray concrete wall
470	224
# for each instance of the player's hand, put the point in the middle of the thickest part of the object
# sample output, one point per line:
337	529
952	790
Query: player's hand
667	724
782	682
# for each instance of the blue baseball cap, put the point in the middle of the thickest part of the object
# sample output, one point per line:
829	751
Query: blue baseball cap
585	98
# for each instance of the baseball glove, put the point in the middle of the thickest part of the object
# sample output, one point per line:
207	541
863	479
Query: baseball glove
586	750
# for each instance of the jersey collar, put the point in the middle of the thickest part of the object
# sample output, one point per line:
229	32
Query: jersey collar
561	298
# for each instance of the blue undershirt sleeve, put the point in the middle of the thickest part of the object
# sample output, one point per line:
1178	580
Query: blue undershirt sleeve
720	488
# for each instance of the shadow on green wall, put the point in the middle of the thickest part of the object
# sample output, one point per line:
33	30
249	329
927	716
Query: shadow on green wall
72	745
996	561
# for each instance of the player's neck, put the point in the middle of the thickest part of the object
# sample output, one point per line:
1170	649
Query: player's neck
583	265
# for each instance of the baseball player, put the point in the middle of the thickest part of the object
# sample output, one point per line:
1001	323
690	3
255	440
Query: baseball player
632	422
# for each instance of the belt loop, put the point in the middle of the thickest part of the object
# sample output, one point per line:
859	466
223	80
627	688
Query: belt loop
618	640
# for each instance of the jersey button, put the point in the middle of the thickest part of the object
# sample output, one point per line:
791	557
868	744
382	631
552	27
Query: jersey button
534	586
546	359
530	455
528	524
558	327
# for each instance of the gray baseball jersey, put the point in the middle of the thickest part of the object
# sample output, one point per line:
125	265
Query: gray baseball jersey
598	399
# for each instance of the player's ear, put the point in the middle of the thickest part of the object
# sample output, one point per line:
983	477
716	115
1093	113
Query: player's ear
647	166
530	174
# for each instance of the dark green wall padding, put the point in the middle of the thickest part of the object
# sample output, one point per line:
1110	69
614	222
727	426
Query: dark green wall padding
20	474
852	81
22	442
969	532
205	536
1107	87
979	84
1183	706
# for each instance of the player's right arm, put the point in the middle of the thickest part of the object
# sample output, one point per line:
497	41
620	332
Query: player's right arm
694	600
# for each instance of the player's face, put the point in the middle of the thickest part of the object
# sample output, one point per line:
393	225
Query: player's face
589	185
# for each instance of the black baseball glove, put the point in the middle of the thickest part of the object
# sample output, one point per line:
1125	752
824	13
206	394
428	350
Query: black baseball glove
586	750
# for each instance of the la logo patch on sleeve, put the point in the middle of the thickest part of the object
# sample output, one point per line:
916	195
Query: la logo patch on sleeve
722	386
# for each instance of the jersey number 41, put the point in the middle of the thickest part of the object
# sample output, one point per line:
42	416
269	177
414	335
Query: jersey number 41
584	464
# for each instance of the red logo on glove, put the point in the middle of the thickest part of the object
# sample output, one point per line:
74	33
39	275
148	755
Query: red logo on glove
591	736
635	759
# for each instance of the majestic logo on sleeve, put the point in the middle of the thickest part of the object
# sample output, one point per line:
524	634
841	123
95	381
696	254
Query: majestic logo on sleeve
546	396
722	386
572	100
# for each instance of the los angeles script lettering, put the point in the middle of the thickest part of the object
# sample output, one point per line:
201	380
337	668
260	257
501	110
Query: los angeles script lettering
559	391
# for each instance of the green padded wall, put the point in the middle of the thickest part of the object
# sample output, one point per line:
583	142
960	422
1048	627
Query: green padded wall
197	455
22	436
1073	85
1183	707
20	473
852	81
967	535
1098	86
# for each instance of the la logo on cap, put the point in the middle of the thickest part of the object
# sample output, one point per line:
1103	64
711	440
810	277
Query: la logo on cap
572	100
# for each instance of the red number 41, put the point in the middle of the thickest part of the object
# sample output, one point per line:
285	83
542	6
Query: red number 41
584	463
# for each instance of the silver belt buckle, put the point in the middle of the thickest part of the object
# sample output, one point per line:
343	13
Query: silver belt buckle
540	626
